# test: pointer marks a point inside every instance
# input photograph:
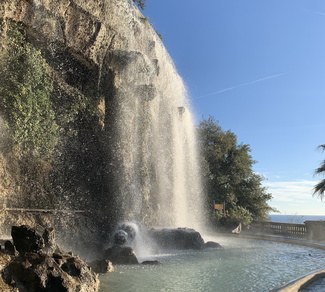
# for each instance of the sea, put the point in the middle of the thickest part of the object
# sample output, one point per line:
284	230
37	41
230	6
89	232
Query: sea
295	219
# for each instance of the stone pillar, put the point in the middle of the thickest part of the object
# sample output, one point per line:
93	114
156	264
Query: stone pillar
315	230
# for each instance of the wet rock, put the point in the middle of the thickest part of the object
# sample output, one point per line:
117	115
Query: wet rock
26	239
212	244
121	255
177	238
36	272
9	248
33	270
151	263
49	240
125	233
120	237
101	266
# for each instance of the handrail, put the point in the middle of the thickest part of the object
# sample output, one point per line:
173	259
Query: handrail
283	229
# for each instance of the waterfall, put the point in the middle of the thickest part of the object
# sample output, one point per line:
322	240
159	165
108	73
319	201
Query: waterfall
155	148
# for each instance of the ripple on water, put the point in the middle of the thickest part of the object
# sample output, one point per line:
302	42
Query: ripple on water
243	265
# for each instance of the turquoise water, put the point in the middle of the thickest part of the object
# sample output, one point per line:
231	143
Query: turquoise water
242	265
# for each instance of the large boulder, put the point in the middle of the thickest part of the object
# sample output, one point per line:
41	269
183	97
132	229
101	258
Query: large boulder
177	238
36	272
121	255
26	239
38	269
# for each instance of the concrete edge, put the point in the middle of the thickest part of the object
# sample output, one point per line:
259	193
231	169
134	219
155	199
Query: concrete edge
300	283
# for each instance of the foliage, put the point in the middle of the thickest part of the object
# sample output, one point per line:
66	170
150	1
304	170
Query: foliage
320	187
228	174
141	3
25	91
237	214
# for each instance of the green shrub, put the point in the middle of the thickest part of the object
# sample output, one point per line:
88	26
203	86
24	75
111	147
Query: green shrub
25	90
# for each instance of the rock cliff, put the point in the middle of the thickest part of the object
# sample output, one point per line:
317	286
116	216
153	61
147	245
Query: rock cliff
93	50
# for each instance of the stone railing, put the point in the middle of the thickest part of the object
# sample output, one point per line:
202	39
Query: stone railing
311	230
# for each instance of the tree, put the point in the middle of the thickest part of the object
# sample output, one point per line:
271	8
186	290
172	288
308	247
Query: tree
320	187
228	174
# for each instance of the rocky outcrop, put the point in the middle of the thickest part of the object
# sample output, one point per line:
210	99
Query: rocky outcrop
33	270
101	266
93	50
109	70
177	238
121	255
37	272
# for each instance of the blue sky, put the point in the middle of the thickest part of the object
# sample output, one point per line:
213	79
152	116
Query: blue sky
258	67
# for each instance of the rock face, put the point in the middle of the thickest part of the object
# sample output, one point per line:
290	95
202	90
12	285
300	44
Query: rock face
177	238
94	51
35	271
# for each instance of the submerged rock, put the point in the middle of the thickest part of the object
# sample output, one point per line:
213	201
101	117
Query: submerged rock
212	244
101	266
121	255
177	238
151	263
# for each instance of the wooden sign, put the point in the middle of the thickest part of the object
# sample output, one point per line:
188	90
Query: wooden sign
218	206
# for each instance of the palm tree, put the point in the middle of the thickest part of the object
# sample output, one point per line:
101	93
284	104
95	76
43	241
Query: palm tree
320	187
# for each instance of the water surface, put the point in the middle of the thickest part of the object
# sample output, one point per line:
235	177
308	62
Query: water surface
242	265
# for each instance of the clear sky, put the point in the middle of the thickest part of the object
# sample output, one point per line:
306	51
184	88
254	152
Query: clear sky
258	67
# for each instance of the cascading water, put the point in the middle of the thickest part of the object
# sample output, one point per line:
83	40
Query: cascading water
159	177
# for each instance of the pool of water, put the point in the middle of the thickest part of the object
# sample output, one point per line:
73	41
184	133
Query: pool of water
242	265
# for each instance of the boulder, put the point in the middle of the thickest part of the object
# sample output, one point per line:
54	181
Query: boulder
33	270
101	266
36	272
121	255
177	238
212	244
26	239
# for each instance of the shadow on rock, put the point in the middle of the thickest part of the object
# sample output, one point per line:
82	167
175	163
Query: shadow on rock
38	269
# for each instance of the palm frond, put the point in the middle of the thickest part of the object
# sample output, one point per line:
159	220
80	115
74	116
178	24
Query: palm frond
321	169
321	147
319	189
